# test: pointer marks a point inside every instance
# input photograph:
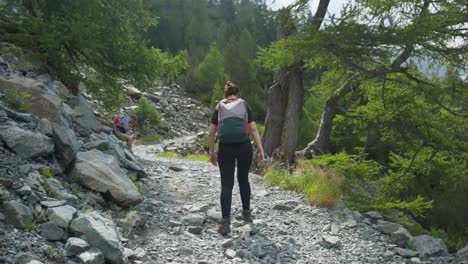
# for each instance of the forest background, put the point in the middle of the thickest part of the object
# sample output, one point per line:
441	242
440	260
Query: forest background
393	71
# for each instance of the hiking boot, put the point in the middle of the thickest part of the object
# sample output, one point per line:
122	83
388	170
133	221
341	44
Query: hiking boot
247	216
224	227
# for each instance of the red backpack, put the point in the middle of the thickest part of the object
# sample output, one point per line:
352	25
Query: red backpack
116	120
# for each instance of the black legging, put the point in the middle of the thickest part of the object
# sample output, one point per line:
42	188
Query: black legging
227	156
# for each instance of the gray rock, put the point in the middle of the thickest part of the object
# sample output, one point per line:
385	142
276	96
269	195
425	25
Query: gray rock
330	241
24	190
92	256
66	145
406	253
53	203
230	253
51	231
45	127
193	220
196	230
134	219
400	236
101	145
84	119
463	253
415	260
75	246
227	243
25	257
26	144
387	227
286	205
429	247
17	214
61	215
374	215
263	248
100	172
100	233
213	215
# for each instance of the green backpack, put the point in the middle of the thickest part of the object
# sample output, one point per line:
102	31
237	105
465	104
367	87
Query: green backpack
233	125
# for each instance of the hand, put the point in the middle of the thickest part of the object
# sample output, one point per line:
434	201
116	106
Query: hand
214	159
260	158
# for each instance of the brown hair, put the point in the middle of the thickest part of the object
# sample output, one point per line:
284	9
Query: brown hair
231	89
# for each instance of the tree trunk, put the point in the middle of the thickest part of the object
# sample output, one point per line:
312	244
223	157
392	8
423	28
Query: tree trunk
321	143
294	113
278	97
274	122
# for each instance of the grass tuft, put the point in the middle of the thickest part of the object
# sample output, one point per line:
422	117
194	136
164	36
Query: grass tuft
199	157
320	187
171	155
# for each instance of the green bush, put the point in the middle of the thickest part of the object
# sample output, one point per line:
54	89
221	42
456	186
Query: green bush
147	113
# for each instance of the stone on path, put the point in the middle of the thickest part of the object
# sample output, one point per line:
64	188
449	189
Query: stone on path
330	241
286	205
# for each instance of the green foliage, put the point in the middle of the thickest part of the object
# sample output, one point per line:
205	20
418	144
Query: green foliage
149	139
96	43
198	157
47	173
409	245
30	227
147	113
320	187
417	207
260	128
51	252
170	155
87	207
134	179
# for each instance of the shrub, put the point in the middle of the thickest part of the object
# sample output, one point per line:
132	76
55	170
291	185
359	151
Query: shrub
147	113
18	99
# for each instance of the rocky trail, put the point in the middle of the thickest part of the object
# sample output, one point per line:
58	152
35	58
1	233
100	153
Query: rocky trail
182	208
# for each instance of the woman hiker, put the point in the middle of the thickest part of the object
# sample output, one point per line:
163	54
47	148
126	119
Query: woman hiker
122	126
233	121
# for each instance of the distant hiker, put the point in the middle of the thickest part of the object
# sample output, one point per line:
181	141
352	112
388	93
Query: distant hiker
122	126
233	121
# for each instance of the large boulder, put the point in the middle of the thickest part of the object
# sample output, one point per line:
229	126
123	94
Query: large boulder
397	233
428	246
101	172
84	119
45	104
26	144
17	214
66	145
61	215
100	233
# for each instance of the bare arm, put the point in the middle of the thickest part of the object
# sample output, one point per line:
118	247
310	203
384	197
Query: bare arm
258	141
211	144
